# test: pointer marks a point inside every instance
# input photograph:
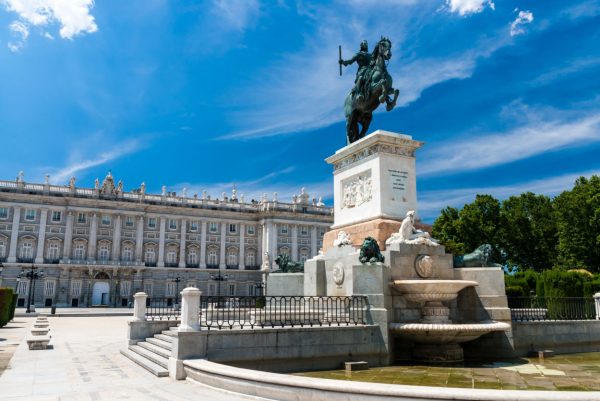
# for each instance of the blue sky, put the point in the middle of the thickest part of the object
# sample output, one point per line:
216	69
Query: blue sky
202	95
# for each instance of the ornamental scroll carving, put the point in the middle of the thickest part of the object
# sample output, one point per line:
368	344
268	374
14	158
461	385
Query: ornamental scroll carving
377	148
357	190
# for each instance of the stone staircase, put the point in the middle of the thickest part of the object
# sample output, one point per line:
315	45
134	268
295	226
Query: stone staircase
153	354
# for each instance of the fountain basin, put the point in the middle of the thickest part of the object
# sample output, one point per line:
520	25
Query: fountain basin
445	333
431	290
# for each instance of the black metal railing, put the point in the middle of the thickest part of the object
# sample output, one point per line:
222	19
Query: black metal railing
167	308
150	264
25	260
252	267
232	267
192	265
283	311
559	308
52	261
171	264
209	266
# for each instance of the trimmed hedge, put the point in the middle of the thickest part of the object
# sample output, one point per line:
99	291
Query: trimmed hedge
553	283
6	300
13	306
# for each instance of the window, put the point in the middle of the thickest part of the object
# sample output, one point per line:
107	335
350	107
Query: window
22	287
172	224
170	290
231	257
3	212
150	255
56	215
192	256
284	250
127	253
252	290
2	248
129	221
212	289
284	229
79	252
303	255
27	250
212	257
53	251
251	258
30	214
105	220
125	288
151	222
213	227
81	218
148	289
251	230
172	256
233	228
304	230
49	288
193	226
103	253
231	290
75	289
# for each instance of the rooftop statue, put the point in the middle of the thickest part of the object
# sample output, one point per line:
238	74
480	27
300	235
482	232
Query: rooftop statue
372	87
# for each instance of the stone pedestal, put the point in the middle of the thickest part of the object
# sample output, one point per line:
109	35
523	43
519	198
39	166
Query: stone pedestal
375	185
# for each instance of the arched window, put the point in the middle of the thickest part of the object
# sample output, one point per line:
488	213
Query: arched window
150	255
53	251
213	258
232	257
192	257
251	258
284	250
103	252
79	251
172	255
27	249
304	255
127	255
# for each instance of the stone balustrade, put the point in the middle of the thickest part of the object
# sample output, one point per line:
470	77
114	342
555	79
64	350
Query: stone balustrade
597	299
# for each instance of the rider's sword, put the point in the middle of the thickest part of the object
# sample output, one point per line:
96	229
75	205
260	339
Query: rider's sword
340	62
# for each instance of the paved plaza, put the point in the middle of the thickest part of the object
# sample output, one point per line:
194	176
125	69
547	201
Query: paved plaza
84	363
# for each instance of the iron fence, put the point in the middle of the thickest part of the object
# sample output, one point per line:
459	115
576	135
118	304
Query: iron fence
163	309
558	308
281	311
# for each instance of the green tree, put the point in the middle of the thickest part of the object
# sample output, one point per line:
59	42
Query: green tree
529	232
446	229
480	223
578	225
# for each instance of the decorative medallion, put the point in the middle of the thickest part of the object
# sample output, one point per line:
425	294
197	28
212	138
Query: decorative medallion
338	274
424	266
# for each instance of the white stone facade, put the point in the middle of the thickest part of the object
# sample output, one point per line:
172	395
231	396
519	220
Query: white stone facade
102	245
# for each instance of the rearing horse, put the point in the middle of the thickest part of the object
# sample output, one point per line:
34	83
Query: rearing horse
377	88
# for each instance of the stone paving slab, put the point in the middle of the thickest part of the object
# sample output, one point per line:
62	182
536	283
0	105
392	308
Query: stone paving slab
84	363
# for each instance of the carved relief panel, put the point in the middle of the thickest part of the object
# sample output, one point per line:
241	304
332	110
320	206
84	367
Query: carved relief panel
357	190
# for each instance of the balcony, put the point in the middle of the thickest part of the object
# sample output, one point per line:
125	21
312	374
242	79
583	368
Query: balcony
212	266
171	264
2	259
232	267
150	264
25	260
192	265
252	267
52	261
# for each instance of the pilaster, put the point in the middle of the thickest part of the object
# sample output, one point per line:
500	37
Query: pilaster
182	243
242	260
139	239
203	245
39	255
68	236
161	243
93	239
14	235
222	261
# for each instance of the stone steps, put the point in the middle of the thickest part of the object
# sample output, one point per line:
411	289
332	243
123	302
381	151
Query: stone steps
145	363
164	337
170	333
155	348
152	356
160	343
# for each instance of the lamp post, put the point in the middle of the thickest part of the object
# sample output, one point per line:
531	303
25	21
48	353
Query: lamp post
265	273
218	278
176	280
32	275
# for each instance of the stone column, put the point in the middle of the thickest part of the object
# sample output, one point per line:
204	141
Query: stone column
139	306
161	243
14	235
294	242
190	309
68	236
313	241
242	261
597	299
260	244
139	240
93	238
203	245
272	243
222	260
182	243
39	255
116	251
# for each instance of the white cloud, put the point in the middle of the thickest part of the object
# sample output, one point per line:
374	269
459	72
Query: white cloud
466	7
523	18
20	32
431	202
80	164
544	131
236	14
73	16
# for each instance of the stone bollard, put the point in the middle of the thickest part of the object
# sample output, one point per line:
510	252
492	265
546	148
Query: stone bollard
190	309
139	306
597	299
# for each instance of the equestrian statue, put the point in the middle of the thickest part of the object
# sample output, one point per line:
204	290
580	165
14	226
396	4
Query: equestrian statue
372	87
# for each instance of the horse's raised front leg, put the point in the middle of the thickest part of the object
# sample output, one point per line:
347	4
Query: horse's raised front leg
392	103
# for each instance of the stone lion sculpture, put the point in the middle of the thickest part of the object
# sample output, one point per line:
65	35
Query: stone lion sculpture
480	257
370	252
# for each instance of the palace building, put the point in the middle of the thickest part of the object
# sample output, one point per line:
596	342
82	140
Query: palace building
99	246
